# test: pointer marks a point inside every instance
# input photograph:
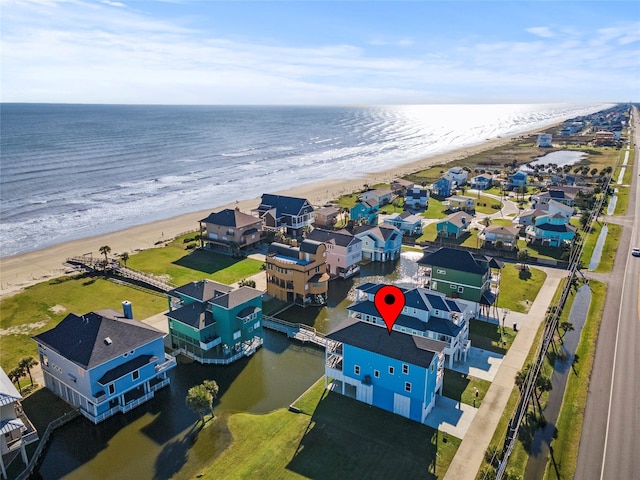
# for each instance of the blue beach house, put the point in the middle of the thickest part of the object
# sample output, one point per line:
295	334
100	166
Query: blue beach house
213	323
518	179
399	373
103	362
380	242
365	211
443	186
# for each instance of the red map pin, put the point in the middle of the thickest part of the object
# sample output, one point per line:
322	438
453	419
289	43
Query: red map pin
389	301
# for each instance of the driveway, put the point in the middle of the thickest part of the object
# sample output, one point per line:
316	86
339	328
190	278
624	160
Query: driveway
480	364
451	416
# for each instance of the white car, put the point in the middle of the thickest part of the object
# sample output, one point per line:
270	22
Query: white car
635	252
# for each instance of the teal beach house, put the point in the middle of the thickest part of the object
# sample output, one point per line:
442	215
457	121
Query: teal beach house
104	362
213	323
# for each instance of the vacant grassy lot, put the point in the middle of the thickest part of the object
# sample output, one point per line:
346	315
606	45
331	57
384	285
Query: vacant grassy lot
518	289
334	437
461	387
435	209
179	266
490	336
42	306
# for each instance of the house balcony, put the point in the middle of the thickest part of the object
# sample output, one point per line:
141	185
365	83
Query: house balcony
169	363
335	362
300	222
349	272
210	343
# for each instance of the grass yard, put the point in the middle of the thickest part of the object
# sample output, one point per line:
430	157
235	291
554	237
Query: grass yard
42	306
180	266
461	387
435	209
502	222
519	289
549	253
490	336
429	234
622	204
488	205
334	437
569	424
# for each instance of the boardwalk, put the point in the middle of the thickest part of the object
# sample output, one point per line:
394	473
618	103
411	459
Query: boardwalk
299	331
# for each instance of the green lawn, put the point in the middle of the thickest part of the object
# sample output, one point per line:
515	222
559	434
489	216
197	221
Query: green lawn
622	204
180	266
42	306
519	289
490	336
502	222
435	209
335	437
488	205
429	234
609	249
461	387
549	253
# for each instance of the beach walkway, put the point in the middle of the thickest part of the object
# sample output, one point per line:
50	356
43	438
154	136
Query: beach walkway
468	458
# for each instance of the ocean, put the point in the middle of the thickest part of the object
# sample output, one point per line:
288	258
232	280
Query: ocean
74	171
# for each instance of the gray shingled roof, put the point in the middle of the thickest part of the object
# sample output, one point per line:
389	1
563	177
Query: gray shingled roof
82	339
460	260
400	346
237	297
193	314
230	218
284	205
381	231
202	290
125	369
341	237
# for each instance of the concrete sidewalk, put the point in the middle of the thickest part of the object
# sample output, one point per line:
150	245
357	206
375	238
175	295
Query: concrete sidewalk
468	458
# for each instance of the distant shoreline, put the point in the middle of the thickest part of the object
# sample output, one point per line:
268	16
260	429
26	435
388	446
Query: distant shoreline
22	270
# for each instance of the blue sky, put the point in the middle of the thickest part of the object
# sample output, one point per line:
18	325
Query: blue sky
304	52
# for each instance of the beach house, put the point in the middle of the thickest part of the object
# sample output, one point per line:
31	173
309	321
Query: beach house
326	216
443	186
528	216
380	195
344	251
398	373
230	230
459	175
213	323
425	314
454	225
279	212
482	181
380	243
17	431
544	140
461	274
298	274
498	236
459	202
552	230
104	362
416	198
518	179
400	186
365	212
562	196
406	222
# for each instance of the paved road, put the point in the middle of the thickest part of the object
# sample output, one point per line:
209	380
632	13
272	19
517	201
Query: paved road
609	447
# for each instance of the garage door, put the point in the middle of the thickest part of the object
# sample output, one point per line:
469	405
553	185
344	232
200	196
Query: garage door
401	405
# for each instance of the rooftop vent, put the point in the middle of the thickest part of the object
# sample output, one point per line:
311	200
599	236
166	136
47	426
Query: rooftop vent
108	341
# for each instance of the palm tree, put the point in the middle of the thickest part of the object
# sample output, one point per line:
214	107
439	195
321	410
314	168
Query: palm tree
199	400
212	387
105	250
15	375
124	257
566	327
521	376
27	363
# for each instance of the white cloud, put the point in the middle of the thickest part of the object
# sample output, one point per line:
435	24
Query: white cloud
544	32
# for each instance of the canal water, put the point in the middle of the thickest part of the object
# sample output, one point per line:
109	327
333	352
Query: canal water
563	367
158	440
597	250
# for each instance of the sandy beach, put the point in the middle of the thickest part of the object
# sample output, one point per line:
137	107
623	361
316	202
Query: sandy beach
19	271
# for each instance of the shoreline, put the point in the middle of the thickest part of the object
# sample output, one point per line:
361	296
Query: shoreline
22	270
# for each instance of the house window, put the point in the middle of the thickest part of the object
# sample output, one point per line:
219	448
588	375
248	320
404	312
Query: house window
376	373
45	360
405	368
442	272
460	289
135	375
112	389
434	285
407	386
452	286
391	370
256	325
237	335
432	367
356	369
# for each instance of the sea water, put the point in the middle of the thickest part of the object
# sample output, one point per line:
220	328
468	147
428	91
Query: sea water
74	171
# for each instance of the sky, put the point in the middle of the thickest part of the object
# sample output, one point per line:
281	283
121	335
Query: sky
319	53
